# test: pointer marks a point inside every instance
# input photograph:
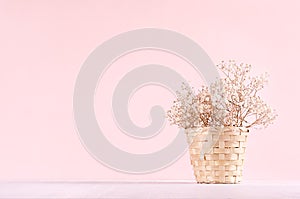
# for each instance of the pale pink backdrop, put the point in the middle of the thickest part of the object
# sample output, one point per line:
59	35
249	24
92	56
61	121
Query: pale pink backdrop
44	43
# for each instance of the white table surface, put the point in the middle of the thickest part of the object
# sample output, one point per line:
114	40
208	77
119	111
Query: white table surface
74	190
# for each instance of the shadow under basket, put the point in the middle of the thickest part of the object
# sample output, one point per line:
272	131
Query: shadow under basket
224	159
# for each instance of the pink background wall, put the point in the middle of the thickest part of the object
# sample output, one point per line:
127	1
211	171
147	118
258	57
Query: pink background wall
44	43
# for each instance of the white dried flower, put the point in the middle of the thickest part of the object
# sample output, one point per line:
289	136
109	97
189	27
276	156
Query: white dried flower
229	101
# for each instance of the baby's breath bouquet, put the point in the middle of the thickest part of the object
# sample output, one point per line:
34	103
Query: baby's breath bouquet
229	101
217	119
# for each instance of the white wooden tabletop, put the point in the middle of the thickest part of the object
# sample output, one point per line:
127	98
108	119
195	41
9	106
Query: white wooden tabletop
86	190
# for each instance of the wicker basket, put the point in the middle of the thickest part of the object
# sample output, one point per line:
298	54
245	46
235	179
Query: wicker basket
223	161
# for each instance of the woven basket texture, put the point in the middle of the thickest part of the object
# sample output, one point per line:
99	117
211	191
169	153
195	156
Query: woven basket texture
223	161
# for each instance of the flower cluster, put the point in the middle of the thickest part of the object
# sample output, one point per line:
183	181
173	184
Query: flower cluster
190	110
229	101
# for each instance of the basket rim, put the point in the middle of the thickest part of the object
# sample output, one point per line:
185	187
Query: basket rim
242	129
